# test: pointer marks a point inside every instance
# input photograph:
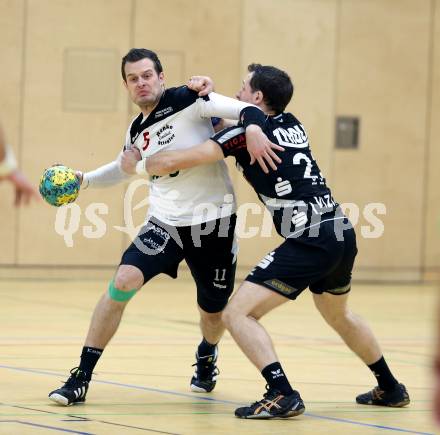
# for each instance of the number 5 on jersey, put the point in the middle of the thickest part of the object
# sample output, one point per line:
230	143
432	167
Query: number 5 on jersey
146	140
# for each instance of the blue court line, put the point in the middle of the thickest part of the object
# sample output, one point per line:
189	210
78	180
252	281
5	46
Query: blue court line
211	399
366	424
45	426
82	419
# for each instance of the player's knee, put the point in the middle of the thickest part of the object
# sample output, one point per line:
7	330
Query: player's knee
256	314
127	282
122	283
128	278
227	317
333	319
336	318
231	316
119	295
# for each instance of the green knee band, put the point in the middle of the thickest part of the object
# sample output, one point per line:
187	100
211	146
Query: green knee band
119	295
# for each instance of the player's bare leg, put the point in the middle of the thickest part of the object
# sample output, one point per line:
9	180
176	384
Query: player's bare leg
250	303
104	323
211	325
360	339
352	328
240	316
108	312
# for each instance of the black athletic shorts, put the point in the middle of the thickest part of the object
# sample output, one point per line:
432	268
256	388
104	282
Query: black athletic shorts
209	250
323	262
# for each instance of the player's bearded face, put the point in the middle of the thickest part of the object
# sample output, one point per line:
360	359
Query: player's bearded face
143	83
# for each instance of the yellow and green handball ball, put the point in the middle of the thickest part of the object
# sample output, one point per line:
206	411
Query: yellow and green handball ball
59	185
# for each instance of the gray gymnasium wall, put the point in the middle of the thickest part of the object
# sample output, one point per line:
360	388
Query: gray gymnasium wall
62	100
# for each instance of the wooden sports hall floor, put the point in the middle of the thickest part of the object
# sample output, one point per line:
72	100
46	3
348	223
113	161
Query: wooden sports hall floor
142	381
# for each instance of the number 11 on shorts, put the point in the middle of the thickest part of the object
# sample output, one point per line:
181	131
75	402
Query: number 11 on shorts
217	275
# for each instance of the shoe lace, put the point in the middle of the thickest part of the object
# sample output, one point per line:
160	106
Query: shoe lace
271	393
205	367
268	396
76	376
377	393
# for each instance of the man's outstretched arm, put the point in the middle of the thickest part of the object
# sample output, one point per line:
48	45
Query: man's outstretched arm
24	190
167	162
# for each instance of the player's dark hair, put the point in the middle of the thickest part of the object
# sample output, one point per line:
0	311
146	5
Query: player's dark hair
275	84
136	54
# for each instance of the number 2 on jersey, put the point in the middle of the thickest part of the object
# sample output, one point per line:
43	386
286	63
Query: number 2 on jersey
308	171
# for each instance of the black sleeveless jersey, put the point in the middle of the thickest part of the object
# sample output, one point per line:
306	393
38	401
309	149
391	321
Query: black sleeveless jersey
296	193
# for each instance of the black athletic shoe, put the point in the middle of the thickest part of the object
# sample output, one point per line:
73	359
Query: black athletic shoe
395	398
205	375
273	405
73	391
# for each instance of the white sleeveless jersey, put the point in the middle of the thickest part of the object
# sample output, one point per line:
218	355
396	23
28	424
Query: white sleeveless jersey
182	120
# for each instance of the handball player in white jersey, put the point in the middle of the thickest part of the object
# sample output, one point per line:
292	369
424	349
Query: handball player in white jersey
184	221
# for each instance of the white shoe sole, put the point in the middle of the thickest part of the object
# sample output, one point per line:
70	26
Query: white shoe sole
197	389
58	398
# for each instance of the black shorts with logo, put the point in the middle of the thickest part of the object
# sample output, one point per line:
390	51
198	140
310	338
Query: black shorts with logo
323	262
209	250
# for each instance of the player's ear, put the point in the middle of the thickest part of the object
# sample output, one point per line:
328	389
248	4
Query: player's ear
258	97
162	78
125	84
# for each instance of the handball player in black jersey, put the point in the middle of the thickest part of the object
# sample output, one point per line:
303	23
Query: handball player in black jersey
318	251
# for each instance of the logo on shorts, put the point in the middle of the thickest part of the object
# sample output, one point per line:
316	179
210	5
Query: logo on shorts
265	262
280	286
155	238
222	286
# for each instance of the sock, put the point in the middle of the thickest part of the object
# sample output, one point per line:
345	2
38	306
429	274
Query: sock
384	377
276	378
206	348
89	358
